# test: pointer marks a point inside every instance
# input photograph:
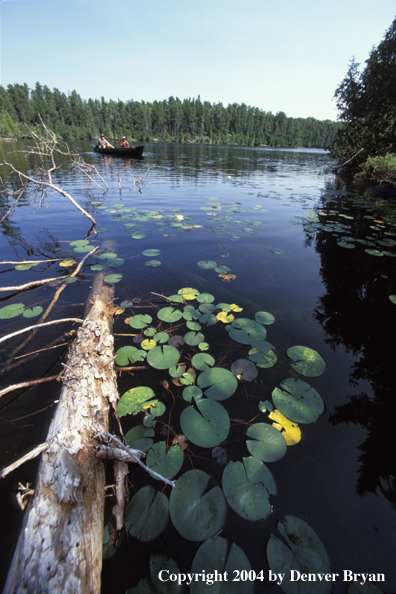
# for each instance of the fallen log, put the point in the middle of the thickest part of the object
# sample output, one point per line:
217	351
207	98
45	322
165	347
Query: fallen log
60	546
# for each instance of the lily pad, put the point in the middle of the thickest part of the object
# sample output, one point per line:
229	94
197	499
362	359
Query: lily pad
290	431
140	321
262	354
158	563
163	357
169	315
136	400
247	488
97	267
193	338
188	293
147	514
215	555
205	298
79	242
113	278
161	337
82	249
208	427
268	445
11	311
266	406
32	312
151	253
202	361
246	331
263	317
152	263
129	354
207	264
303	552
221	383
139	437
298	401
244	369
306	361
167	463
197	514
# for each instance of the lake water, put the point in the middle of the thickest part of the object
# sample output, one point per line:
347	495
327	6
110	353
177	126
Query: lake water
321	260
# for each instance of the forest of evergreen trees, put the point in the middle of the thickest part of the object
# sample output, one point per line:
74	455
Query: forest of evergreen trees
170	120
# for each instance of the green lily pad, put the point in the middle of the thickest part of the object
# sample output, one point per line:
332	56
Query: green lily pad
167	463
151	253
113	278
205	298
247	488
298	401
208	427
163	357
207	264
246	331
306	361
192	392
262	354
266	406
193	326
158	409
158	563
140	321
139	437
202	361
97	267
32	312
215	555
392	298
82	249
28	265
268	444
152	263
169	315
126	303
136	400
221	383
197	514
263	317
147	514
11	311
303	552
115	263
79	242
187	379
161	337
129	354
203	346
193	338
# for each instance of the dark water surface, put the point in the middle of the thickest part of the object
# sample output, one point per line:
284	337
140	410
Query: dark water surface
324	295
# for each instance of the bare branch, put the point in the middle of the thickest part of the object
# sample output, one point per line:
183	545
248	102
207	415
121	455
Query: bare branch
33	454
29	328
27	384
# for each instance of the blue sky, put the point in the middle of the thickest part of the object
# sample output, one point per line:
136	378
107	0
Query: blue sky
278	55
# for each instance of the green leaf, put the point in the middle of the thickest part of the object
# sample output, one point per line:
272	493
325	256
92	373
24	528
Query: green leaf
262	354
161	337
215	555
11	311
221	383
135	400
244	369
205	298
246	331
169	315
140	321
393	298
139	437
207	264
266	406
157	410
32	312
129	354
192	392
298	401
163	357
82	249
158	563
167	463
194	338
147	514
97	267
268	444
152	263
263	317
202	361
197	515
303	552
151	253
208	427
79	242
108	256
306	361
247	488
112	278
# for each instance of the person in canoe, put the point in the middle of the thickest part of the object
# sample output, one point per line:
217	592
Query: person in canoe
103	143
124	143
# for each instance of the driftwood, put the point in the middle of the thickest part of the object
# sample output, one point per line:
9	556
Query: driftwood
60	546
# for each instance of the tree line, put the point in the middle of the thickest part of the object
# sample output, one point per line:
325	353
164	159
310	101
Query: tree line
170	120
366	99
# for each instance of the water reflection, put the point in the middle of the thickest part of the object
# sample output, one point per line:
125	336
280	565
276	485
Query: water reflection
357	315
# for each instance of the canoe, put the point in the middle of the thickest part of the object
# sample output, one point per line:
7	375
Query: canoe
134	152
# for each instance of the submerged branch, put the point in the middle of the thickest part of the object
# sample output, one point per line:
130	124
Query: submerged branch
29	328
27	384
32	454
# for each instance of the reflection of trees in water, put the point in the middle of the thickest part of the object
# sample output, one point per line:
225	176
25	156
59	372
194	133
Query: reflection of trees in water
355	312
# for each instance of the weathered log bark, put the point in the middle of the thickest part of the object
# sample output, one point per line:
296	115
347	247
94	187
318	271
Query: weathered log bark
60	546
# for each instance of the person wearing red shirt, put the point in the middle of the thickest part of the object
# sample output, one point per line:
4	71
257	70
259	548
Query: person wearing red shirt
124	143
